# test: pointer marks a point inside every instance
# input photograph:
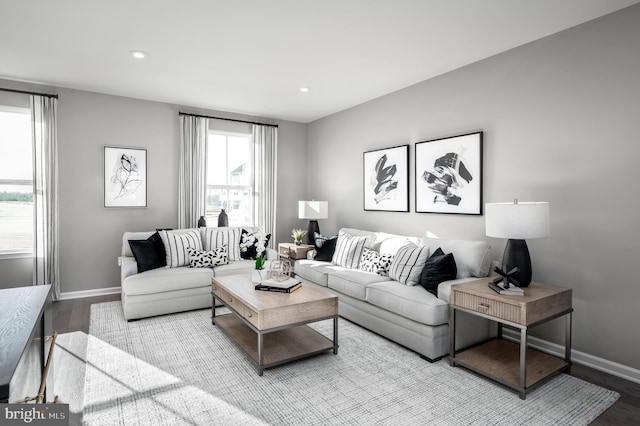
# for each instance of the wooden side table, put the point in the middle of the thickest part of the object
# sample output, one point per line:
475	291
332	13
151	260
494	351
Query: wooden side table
294	251
514	365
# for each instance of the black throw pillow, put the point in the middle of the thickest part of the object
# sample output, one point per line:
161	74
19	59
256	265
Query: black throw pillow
149	253
439	267
251	252
324	247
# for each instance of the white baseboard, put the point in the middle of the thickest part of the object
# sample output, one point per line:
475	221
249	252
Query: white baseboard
88	293
600	364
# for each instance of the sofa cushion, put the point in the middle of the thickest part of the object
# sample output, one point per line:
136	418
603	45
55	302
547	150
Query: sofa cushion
207	259
412	302
243	266
389	243
374	262
438	268
149	253
348	250
315	271
473	258
251	242
353	282
176	244
218	237
408	263
166	279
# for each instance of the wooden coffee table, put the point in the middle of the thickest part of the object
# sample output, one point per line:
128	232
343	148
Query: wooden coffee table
271	327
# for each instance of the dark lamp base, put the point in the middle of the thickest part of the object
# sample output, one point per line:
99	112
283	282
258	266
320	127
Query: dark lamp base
312	228
516	254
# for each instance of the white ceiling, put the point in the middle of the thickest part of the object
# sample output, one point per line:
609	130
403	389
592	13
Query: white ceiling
252	56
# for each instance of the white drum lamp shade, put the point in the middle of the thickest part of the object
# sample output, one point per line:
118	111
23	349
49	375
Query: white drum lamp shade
313	210
517	221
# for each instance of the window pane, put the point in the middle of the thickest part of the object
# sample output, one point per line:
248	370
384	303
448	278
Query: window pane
239	161
16	175
235	202
16	218
217	160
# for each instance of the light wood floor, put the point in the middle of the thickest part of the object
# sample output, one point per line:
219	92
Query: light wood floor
73	315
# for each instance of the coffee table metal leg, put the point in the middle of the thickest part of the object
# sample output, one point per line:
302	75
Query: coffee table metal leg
213	309
260	353
335	335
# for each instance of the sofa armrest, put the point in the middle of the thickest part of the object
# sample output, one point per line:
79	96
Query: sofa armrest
128	267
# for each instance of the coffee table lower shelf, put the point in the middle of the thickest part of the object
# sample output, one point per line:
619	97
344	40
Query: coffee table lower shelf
499	360
279	347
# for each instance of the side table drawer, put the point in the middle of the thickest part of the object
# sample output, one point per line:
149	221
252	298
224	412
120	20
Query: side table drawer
486	306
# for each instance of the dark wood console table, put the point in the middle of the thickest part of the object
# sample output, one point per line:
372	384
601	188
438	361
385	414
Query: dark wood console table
25	320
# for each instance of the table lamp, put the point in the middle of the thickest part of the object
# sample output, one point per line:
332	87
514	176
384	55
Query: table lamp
313	210
517	222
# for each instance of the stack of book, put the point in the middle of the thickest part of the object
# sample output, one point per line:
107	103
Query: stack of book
498	287
287	286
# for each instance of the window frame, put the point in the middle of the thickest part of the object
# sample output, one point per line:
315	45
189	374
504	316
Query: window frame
251	187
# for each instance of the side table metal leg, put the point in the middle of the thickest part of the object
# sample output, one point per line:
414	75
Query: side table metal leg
213	309
452	336
523	362
567	341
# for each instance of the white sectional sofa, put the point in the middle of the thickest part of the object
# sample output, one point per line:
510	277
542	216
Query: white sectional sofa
167	290
408	315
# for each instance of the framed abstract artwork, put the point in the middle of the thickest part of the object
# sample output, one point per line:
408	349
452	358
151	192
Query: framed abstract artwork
386	179
125	177
448	175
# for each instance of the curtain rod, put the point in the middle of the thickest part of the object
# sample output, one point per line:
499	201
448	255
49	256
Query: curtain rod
24	92
228	119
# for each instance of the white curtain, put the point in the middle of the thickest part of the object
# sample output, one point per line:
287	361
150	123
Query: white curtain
265	140
45	192
192	170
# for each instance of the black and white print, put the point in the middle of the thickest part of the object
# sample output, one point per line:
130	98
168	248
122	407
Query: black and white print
377	263
207	259
125	177
449	175
386	179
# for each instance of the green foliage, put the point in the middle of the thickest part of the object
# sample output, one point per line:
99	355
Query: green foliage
15	196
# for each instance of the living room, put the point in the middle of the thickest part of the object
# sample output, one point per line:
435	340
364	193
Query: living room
548	109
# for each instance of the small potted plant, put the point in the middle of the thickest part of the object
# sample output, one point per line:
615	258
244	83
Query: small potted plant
298	235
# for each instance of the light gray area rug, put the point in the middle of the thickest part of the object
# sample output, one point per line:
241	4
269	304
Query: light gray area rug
180	369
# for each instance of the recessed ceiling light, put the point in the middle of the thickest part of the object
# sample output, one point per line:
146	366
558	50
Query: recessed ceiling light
304	89
138	54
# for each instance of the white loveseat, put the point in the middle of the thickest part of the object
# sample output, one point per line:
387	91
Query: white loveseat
167	290
408	315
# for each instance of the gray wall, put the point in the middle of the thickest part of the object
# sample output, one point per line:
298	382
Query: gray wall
90	235
561	122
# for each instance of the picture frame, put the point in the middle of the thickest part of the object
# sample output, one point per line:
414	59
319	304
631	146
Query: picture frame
448	175
385	177
125	177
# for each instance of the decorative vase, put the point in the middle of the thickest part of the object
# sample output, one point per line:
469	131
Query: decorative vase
223	219
259	275
298	242
202	222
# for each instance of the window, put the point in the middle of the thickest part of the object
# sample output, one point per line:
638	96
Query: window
230	178
16	181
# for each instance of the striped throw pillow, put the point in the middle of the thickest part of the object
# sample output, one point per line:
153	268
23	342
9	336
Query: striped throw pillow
219	237
176	244
348	250
407	264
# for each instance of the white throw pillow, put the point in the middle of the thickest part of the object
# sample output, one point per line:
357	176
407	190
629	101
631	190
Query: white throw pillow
219	237
176	244
407	264
348	250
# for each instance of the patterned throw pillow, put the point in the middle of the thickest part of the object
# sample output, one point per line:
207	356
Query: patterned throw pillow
207	259
348	250
372	261
218	237
176	244
408	263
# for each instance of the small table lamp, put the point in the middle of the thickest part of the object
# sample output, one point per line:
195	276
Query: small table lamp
517	222
313	210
